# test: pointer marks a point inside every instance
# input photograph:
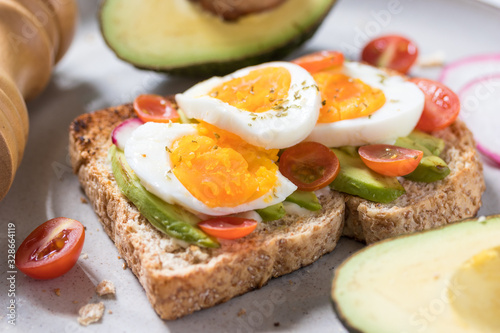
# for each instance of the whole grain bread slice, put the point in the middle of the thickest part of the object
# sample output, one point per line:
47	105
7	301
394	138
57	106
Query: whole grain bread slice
179	280
425	205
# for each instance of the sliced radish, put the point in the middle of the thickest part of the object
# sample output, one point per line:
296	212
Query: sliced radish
477	83
122	132
491	155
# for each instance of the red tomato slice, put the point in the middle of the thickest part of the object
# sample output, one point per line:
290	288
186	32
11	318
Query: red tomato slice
392	51
319	61
52	249
227	227
155	108
309	165
390	160
441	108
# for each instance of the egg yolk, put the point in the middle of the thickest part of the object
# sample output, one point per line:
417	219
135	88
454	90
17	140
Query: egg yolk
259	91
222	170
345	97
474	291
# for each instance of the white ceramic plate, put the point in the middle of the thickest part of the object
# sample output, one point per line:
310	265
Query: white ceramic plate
91	77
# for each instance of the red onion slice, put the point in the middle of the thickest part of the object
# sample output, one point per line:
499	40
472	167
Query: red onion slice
122	132
477	83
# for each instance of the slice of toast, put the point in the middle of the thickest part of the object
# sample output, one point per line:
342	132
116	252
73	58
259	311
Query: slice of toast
425	205
179	280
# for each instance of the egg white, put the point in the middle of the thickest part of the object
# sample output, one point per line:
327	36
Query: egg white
268	129
397	117
146	154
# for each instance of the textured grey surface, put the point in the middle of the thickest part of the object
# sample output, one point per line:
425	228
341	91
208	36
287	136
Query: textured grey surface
91	77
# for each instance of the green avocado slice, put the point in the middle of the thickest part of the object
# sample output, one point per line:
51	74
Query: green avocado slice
179	37
431	167
441	280
169	219
357	179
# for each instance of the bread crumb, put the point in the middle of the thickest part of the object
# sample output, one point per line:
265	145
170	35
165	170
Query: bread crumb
119	257
110	312
242	312
57	291
97	229
83	200
124	266
75	302
436	59
90	313
84	256
105	287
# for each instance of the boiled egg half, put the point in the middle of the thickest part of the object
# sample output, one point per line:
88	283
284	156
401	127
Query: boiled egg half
273	105
364	105
205	169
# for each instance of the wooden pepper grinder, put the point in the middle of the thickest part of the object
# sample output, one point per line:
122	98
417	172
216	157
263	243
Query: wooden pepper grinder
34	35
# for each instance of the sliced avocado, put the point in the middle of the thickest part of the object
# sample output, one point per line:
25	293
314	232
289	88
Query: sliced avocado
434	144
350	150
408	143
271	213
442	280
357	179
179	37
307	200
430	169
169	219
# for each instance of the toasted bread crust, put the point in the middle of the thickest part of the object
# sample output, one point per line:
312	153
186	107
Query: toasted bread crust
179	280
424	206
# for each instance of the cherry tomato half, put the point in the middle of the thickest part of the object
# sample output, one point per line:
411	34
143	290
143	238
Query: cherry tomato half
155	108
441	108
390	160
228	227
52	249
392	51
319	61
309	165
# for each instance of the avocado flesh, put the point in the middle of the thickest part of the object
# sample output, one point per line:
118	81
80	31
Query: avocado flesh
357	179
431	167
169	219
424	282
434	144
307	200
179	37
271	213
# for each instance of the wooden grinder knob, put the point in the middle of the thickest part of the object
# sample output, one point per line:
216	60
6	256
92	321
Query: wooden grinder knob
34	35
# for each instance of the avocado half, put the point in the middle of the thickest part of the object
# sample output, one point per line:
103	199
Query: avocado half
442	280
179	37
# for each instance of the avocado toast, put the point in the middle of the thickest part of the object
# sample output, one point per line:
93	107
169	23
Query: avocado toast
179	280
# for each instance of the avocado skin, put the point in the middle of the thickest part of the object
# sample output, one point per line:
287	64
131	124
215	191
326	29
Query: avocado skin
271	213
335	304
357	179
208	69
307	200
169	219
431	167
